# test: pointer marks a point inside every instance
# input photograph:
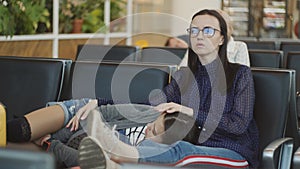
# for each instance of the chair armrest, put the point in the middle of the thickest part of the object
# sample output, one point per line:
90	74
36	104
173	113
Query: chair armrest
286	145
296	159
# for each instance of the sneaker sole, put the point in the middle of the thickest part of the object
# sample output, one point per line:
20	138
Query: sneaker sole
91	155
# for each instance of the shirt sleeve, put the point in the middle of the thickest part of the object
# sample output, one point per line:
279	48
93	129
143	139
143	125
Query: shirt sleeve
237	120
104	101
170	93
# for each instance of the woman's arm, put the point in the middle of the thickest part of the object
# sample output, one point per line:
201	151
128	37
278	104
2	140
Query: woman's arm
236	120
172	107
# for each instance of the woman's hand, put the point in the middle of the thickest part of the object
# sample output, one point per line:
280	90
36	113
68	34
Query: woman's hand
174	107
82	113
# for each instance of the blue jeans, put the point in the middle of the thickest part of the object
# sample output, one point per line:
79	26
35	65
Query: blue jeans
123	115
183	153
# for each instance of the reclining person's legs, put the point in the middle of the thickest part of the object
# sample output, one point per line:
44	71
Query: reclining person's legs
125	115
35	124
43	121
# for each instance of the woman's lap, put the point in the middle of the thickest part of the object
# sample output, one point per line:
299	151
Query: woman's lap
183	153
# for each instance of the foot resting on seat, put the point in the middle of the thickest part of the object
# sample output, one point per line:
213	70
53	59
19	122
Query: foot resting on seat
91	155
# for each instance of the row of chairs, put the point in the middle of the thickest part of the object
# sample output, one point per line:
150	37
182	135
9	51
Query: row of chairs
285	56
259	57
271	44
276	59
124	53
28	83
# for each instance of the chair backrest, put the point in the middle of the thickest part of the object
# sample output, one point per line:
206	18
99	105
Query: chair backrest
272	94
15	159
123	82
163	55
293	62
265	45
116	53
265	58
292	128
29	83
184	37
245	38
289	46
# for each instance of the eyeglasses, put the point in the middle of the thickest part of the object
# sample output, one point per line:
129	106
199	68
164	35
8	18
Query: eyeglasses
206	31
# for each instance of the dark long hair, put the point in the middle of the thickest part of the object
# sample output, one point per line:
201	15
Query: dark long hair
179	126
229	69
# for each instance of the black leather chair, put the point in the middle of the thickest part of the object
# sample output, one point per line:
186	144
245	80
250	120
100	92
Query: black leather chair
123	82
265	45
16	159
289	46
184	37
116	53
245	38
293	62
292	128
265	58
162	55
29	83
272	96
66	71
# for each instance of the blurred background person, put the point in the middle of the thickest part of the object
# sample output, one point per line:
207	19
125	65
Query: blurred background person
176	43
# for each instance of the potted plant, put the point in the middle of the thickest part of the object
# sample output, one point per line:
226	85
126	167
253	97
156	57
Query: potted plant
74	12
22	17
89	12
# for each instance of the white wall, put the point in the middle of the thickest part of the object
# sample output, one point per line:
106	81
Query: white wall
170	17
186	8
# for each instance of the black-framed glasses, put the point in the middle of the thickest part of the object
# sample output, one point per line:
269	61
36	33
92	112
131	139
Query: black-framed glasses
206	31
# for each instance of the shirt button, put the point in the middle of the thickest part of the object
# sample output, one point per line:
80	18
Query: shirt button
203	129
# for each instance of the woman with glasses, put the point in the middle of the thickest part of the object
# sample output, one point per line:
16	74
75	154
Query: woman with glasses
218	94
237	51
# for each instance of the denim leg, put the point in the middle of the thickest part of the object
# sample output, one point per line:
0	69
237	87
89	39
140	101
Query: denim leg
128	115
70	107
152	152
